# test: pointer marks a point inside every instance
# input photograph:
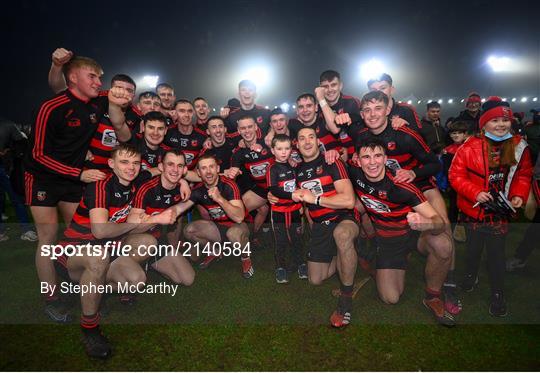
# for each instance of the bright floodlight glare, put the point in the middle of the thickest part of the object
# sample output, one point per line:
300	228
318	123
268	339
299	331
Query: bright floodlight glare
440	101
524	99
409	102
504	99
214	109
535	99
258	75
267	107
462	100
150	80
514	99
499	64
294	106
285	107
419	101
450	100
483	100
371	69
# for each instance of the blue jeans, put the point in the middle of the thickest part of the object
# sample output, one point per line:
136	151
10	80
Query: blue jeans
16	201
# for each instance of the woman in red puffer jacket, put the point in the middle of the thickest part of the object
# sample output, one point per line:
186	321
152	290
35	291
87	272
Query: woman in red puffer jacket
493	161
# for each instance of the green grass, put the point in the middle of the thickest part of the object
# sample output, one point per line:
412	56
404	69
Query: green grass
224	322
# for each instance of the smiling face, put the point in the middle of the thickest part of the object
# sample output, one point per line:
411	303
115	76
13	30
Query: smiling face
148	104
154	132
332	90
167	97
125	165
375	115
172	168
248	130
208	171
372	162
185	113
499	126
247	95
202	110
306	110
279	122
216	131
308	144
282	150
85	81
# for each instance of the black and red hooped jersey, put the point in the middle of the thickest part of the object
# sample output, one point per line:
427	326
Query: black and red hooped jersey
259	113
223	153
319	177
228	189
104	139
386	202
406	149
149	157
328	140
62	133
350	105
191	145
154	198
107	194
255	163
408	113
281	180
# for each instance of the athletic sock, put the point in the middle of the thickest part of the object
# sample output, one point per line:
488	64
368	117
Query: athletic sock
345	299
90	323
450	279
430	294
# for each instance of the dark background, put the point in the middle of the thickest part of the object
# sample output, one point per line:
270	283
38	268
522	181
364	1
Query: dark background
432	49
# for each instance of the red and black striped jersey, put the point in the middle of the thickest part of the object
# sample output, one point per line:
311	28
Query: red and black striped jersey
319	177
406	149
254	163
154	198
62	133
387	203
108	194
350	105
149	157
104	139
328	140
228	189
281	180
222	153
408	113
191	145
259	113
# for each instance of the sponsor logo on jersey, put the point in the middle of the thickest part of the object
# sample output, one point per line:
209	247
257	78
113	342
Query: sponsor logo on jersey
41	195
93	118
194	143
74	122
374	205
315	186
216	213
393	164
259	119
289	186
383	194
109	138
121	214
259	170
391	145
319	170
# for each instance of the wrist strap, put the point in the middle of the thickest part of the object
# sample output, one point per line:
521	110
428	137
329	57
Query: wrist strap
318	201
323	103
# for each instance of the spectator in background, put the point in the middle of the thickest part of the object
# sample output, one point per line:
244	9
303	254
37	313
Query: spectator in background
12	144
471	115
532	133
432	130
518	127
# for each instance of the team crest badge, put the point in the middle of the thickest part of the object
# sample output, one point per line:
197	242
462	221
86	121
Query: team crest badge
41	195
93	118
319	170
259	119
74	122
194	143
391	145
264	152
382	194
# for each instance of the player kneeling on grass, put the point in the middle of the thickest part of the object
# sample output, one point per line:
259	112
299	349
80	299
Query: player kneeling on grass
100	219
397	209
286	214
152	208
226	234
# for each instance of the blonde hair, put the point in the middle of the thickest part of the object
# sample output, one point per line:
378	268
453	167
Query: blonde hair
79	61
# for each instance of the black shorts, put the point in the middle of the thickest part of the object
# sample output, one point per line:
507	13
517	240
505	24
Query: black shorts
425	184
393	254
48	192
222	232
322	246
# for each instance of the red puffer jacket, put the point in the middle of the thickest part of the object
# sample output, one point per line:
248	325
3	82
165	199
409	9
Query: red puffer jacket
469	174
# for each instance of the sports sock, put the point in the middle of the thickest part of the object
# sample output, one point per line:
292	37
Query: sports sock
430	294
90	323
345	299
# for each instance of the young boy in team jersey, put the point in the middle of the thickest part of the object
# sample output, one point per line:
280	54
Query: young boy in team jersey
285	215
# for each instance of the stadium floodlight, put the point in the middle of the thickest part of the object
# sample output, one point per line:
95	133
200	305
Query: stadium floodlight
535	99
440	101
294	106
451	100
285	107
504	99
524	99
267	107
371	69
419	101
483	100
409	102
213	109
150	80
462	100
514	99
499	64
259	75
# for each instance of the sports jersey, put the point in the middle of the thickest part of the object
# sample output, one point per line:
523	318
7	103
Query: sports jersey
259	113
319	177
328	140
222	153
191	144
228	189
281	180
61	135
350	105
406	112
154	198
104	139
405	149
387	203
255	163
108	194
149	157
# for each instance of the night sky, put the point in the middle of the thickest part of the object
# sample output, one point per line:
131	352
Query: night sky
431	49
